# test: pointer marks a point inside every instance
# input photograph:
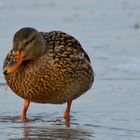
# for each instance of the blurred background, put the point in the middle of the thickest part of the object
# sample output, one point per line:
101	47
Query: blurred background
109	30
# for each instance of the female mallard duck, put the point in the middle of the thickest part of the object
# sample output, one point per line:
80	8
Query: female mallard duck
47	67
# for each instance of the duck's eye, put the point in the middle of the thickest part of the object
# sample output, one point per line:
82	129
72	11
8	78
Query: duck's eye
26	43
30	40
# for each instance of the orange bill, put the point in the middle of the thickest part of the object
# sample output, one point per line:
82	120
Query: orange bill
14	63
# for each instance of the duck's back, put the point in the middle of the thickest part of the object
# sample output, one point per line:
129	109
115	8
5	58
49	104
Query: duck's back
63	73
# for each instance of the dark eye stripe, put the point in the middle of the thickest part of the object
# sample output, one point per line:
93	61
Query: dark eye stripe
30	40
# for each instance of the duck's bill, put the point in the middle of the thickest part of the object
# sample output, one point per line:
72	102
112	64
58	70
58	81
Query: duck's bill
14	63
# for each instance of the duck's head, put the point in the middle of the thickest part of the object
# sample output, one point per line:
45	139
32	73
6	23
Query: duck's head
28	44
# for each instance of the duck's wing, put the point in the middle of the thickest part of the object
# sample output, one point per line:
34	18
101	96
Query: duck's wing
63	42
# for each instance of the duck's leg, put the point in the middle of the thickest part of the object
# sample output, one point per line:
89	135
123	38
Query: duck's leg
67	112
24	111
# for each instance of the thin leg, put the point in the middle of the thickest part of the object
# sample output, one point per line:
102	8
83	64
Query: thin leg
24	111
67	112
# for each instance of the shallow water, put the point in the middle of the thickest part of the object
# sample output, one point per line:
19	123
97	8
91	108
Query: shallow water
110	33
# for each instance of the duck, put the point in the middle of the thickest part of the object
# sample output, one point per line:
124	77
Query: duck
48	68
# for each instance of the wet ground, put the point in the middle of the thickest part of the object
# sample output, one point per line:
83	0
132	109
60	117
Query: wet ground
110	33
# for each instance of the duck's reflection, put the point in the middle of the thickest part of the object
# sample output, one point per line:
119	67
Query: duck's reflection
40	131
39	128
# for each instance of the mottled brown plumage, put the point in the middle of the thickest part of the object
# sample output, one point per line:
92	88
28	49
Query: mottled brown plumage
55	69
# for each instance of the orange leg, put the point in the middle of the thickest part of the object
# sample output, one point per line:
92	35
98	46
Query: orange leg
67	112
24	111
